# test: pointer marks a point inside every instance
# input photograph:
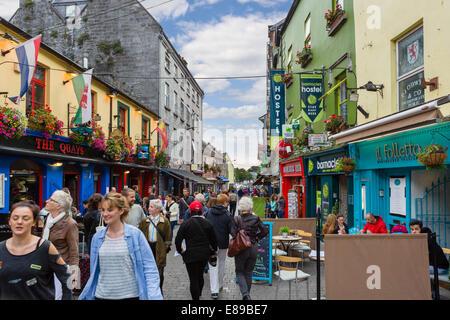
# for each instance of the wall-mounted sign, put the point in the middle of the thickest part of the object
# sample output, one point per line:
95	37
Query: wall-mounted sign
397	196
314	139
324	164
288	131
284	149
277	107
144	151
311	89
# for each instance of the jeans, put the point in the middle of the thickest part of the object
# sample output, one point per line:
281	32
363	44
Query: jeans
280	214
160	269
217	273
232	207
195	271
440	271
244	264
172	224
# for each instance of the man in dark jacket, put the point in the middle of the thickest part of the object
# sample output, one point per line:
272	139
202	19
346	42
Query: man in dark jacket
200	239
222	222
184	203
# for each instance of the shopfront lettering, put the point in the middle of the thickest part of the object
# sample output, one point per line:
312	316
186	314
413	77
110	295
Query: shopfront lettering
396	152
292	168
44	144
331	164
71	149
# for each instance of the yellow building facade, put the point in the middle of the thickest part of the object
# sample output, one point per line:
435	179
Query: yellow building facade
388	36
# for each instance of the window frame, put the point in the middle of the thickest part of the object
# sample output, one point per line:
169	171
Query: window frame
123	107
166	96
411	73
145	127
307	40
33	83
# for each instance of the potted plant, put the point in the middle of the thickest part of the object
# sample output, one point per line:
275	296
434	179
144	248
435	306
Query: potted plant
345	164
287	78
42	119
119	148
12	123
332	16
285	231
335	124
304	56
161	160
433	157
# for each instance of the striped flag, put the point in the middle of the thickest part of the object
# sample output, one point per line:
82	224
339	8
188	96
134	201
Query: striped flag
161	128
82	87
27	54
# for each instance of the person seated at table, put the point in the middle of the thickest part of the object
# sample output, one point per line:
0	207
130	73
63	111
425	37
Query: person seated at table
375	224
331	224
442	263
342	227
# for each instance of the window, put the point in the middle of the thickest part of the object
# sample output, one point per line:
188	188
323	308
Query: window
182	81
308	31
182	110
175	103
342	97
338	2
166	95
36	90
289	66
94	105
176	72
410	70
167	63
188	91
123	120
145	130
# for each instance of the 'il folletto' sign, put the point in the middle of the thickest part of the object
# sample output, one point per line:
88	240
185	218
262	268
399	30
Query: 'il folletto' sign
277	106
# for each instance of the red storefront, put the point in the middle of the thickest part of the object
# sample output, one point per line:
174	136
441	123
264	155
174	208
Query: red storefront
293	187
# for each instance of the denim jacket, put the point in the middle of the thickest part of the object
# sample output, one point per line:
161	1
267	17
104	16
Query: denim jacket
145	269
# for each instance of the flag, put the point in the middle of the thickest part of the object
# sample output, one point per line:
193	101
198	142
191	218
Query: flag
161	128
82	87
27	54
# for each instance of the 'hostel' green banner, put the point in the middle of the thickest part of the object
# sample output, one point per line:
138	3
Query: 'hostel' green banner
311	89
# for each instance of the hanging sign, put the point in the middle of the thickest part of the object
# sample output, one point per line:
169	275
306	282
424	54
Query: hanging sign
284	149
311	89
288	132
277	106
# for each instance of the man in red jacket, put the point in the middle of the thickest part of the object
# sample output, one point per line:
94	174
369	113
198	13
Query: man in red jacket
375	224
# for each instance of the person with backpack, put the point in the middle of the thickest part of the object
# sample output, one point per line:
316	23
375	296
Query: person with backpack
184	203
201	243
222	222
158	233
245	260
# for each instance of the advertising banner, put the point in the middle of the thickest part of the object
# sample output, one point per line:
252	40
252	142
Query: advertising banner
277	106
311	89
368	267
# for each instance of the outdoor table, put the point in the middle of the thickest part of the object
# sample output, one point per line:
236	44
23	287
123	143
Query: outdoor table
286	242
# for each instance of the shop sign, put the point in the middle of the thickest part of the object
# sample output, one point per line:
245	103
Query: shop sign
144	152
315	139
295	168
277	107
311	90
59	146
324	164
284	149
288	132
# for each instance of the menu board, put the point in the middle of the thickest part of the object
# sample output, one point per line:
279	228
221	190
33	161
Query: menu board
292	204
263	266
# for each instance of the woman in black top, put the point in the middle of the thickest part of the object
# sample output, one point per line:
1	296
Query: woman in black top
246	260
28	263
92	218
200	239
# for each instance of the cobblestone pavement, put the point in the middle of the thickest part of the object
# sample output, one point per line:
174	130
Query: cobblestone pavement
176	283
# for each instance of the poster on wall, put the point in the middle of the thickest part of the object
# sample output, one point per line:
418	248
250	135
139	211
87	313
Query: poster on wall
277	107
311	89
397	196
292	204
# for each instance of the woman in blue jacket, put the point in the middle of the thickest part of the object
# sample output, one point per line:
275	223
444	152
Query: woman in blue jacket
122	263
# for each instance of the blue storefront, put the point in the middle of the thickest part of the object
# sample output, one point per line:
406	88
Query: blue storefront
390	182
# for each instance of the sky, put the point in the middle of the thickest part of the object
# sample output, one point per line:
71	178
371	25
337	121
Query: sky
220	38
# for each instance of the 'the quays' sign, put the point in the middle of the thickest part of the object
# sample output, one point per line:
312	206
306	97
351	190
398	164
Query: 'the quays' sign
311	89
277	106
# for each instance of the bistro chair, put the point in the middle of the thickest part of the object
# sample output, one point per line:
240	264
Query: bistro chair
277	251
286	272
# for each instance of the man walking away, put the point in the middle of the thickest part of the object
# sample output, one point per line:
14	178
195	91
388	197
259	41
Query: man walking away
233	202
184	203
136	214
222	222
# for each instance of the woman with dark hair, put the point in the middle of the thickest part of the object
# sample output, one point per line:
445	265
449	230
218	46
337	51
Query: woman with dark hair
92	217
27	263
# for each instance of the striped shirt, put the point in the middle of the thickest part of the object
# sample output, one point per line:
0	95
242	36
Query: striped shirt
117	279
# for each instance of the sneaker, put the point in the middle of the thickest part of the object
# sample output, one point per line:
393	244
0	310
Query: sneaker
246	297
215	295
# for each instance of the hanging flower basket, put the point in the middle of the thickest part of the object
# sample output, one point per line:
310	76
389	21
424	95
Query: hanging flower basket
119	148
12	123
42	119
287	78
304	57
335	124
345	164
433	157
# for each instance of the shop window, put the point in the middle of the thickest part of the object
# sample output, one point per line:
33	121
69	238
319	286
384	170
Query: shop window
36	90
410	70
25	182
71	180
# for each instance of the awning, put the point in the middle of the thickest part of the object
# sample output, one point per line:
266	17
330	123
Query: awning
181	174
223	179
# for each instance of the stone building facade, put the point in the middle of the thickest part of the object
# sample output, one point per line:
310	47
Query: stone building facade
127	48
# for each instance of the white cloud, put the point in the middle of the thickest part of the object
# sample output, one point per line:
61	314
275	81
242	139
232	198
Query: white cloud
8	7
255	95
242	112
231	46
264	3
173	9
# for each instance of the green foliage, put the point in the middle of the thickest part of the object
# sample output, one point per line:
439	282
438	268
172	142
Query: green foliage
12	123
54	34
82	38
241	175
28	3
284	229
161	160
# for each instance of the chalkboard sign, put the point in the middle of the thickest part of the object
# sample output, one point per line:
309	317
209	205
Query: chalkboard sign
263	266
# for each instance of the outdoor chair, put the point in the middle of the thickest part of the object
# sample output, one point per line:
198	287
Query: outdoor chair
286	272
277	251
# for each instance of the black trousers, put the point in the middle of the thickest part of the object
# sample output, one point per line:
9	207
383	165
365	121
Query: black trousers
160	270
232	207
195	271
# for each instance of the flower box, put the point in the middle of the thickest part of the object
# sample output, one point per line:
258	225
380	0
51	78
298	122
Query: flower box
336	24
304	57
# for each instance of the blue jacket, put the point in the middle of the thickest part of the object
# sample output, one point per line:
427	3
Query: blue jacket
145	269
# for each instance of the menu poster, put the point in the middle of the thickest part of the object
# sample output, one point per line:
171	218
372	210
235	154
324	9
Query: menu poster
397	196
263	266
292	205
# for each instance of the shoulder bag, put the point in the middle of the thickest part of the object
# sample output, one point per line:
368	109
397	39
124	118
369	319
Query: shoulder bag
160	233
101	225
239	243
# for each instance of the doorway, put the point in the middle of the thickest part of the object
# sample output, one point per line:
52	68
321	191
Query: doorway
71	180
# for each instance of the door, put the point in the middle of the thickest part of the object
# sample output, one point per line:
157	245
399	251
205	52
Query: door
71	180
398	200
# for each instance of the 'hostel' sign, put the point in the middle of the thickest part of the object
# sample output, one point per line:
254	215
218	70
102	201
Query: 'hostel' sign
311	89
277	105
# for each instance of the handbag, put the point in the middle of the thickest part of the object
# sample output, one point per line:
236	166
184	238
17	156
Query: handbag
239	243
212	260
101	225
161	234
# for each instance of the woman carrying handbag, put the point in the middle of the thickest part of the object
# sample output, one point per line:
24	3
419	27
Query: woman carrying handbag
245	260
